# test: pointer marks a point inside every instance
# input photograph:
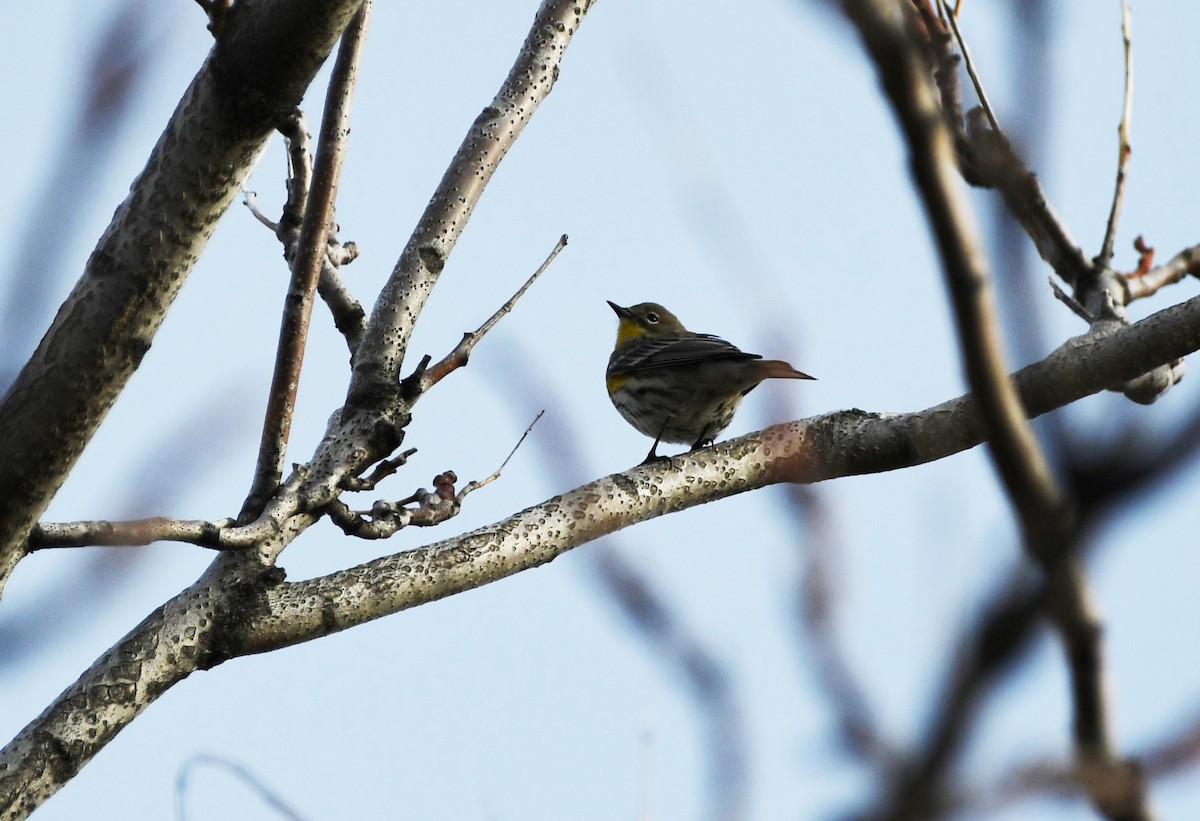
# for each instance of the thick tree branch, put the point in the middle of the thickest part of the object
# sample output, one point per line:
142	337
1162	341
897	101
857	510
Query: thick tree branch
838	444
239	607
258	70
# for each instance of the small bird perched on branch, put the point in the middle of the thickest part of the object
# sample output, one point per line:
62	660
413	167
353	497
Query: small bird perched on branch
679	386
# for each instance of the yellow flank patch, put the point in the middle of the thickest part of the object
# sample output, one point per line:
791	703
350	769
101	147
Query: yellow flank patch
614	383
627	329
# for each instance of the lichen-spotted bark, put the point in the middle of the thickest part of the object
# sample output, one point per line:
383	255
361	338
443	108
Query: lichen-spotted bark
371	425
242	607
266	57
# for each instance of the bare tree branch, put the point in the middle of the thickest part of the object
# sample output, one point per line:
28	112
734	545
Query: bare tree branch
257	69
424	377
348	315
240	606
1104	258
377	364
371	425
131	533
1047	520
307	264
1184	264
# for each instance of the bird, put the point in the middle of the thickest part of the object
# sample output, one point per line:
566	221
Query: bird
678	386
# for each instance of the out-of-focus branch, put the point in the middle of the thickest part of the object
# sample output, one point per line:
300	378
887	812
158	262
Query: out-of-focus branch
255	784
1018	458
665	634
307	265
859	730
1047	521
124	53
256	70
132	533
1177	751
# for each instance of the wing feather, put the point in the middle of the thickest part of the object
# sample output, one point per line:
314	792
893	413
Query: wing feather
653	353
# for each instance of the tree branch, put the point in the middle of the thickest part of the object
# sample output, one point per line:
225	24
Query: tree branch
240	607
1047	521
371	424
258	69
1104	258
424	377
307	265
377	363
215	535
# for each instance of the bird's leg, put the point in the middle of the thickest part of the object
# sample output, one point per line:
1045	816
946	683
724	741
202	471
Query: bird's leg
703	441
653	456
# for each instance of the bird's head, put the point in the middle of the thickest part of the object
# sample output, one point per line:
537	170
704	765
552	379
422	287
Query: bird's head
645	319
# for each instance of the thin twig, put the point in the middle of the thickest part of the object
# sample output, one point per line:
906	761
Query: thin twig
299	180
816	604
1184	264
1104	258
1070	301
306	269
385	519
476	485
250	200
952	18
424	377
382	471
348	315
256	785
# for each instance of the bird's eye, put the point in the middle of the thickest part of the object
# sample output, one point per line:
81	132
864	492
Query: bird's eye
652	317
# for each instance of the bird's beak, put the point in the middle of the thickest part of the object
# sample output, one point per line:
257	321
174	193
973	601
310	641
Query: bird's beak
618	310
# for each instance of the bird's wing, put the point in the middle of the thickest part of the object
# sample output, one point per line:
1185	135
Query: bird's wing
648	354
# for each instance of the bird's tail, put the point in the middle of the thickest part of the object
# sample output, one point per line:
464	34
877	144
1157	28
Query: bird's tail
778	369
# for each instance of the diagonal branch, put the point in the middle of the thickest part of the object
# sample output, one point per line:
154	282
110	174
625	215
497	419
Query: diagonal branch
257	68
240	607
307	265
371	424
838	444
377	363
425	377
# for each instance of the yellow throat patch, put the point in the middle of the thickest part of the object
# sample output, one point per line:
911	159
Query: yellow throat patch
627	329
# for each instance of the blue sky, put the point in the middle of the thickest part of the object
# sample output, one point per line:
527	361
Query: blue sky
735	162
